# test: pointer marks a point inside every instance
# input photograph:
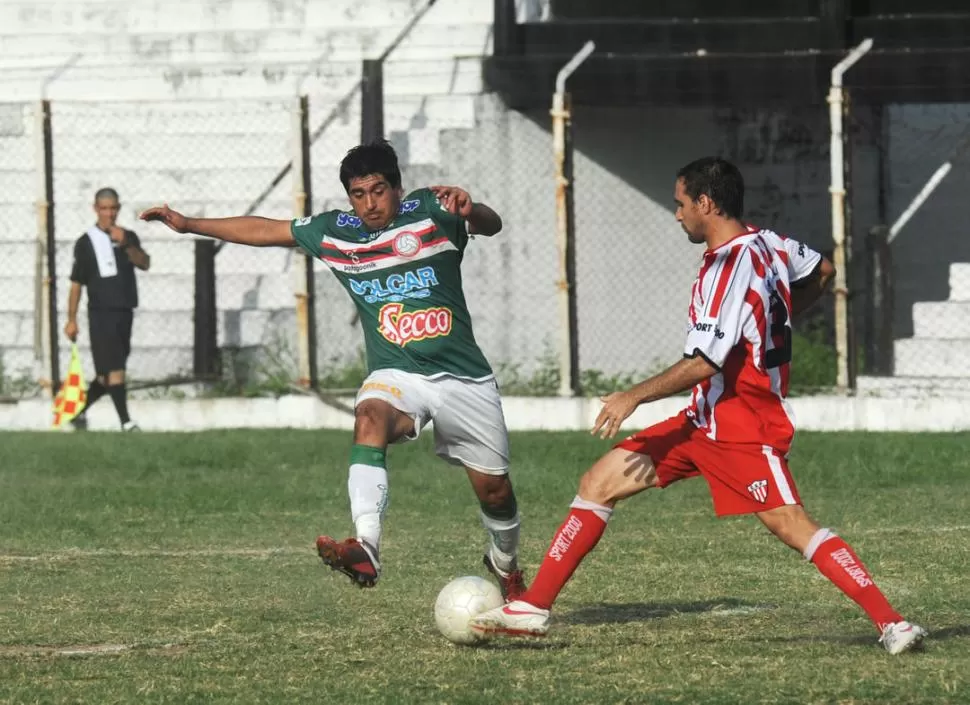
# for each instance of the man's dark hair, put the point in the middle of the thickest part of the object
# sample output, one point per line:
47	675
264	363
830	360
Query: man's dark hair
106	192
719	180
371	158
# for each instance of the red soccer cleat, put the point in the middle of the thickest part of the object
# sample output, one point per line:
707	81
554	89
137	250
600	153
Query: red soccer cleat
512	584
350	557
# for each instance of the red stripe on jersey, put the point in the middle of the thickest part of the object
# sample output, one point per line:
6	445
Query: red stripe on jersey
759	267
757	309
783	255
722	283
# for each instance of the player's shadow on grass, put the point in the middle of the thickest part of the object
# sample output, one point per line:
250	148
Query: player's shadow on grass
605	613
954	632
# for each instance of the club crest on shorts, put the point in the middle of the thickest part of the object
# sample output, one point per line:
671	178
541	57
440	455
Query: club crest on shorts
407	244
759	490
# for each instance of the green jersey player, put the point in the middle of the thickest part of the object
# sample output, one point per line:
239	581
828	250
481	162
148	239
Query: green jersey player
400	261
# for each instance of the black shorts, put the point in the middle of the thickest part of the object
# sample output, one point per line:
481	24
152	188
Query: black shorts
110	338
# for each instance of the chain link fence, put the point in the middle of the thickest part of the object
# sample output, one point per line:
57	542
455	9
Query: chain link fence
914	257
21	334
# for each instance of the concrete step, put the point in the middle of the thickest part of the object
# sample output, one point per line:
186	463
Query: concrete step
144	364
942	319
167	292
459	76
165	329
960	281
932	357
125	16
914	387
168	257
306	46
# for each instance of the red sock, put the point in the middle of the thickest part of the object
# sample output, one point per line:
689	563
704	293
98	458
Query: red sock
839	563
577	536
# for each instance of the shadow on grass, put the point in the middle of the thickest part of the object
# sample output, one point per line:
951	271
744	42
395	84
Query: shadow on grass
521	644
643	611
942	634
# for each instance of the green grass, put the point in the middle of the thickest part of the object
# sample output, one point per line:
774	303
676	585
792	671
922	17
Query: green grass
194	553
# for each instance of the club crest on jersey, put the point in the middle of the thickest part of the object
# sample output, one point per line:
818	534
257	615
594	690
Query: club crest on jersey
402	327
407	244
759	490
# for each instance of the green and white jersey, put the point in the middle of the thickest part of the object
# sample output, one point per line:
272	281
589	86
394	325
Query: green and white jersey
406	283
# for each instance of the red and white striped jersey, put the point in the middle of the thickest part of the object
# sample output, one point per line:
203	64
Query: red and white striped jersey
740	322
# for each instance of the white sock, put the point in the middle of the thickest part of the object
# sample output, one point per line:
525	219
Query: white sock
599	510
503	537
367	486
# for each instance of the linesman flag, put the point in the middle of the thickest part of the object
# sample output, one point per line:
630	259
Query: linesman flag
73	393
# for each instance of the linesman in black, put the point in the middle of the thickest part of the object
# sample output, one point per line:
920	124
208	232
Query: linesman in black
105	258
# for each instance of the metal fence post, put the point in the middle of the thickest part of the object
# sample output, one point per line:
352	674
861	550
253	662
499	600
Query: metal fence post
879	314
372	101
205	352
304	288
565	228
45	306
837	189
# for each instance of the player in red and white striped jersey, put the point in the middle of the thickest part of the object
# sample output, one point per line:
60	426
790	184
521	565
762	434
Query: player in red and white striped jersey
738	428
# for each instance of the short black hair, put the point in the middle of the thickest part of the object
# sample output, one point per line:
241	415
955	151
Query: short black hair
376	157
719	180
106	192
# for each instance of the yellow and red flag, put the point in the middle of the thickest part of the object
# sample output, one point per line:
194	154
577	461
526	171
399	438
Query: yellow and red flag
73	393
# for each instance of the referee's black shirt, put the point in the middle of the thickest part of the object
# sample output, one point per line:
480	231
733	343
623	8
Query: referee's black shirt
117	292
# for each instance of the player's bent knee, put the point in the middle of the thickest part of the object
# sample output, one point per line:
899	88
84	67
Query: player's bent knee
375	423
617	475
791	524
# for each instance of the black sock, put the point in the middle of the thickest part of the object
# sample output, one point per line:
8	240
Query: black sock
95	392
118	392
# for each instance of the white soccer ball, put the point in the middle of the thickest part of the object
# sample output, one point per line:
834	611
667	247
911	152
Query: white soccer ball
459	601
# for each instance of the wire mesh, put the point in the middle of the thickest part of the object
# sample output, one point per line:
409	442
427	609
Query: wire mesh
205	159
917	144
21	342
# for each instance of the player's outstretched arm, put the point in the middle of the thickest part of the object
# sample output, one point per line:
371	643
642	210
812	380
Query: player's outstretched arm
807	291
481	219
679	377
243	230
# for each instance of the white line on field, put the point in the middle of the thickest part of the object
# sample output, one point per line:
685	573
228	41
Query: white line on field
77	649
75	553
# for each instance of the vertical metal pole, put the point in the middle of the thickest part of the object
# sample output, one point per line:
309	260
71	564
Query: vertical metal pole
837	189
562	226
303	284
47	243
851	336
571	279
205	344
372	101
562	147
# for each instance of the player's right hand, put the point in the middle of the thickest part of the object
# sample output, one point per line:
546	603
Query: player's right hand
163	214
70	330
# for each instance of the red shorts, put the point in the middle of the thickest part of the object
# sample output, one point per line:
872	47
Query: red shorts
744	478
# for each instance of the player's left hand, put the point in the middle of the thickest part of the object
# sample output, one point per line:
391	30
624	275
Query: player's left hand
454	199
617	407
117	234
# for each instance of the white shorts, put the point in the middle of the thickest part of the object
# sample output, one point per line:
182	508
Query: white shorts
469	425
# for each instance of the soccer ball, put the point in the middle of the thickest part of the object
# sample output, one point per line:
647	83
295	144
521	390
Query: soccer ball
459	601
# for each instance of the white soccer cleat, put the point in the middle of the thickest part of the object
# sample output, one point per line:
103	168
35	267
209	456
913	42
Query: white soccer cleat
517	618
902	636
129	426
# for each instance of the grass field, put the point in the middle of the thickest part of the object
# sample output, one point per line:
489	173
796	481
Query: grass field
180	569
